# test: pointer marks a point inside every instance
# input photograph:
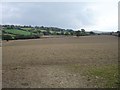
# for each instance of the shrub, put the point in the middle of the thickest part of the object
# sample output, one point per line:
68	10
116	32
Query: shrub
7	37
26	36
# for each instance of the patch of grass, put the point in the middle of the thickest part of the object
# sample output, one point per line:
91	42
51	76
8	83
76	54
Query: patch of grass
108	74
105	76
27	28
17	32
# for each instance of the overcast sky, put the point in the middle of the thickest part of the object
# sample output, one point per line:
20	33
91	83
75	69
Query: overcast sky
102	16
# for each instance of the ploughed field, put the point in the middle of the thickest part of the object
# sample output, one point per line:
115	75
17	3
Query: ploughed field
62	62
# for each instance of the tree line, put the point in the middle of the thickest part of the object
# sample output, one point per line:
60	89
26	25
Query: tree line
38	31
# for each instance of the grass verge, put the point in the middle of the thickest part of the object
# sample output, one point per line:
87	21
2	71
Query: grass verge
104	76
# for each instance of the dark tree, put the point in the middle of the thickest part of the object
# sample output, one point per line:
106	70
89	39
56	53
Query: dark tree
78	33
92	33
83	30
83	33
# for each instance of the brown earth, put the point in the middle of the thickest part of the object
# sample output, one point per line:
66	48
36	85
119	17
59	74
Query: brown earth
48	62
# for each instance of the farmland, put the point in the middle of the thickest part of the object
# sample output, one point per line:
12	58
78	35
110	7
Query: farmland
62	62
14	32
17	32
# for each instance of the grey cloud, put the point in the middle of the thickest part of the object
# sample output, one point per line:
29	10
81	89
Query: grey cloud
64	15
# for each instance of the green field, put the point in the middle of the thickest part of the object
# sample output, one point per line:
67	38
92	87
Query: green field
27	28
17	32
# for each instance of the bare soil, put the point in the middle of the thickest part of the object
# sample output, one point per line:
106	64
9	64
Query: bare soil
49	62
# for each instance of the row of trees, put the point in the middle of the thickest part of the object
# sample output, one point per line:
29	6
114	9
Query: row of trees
38	31
115	33
10	37
16	26
81	32
47	30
